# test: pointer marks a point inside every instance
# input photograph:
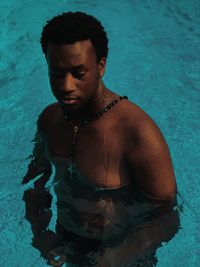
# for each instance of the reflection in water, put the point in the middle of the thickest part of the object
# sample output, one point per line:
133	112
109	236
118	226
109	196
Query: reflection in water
96	226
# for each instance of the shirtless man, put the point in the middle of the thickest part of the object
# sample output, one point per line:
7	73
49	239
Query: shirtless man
100	144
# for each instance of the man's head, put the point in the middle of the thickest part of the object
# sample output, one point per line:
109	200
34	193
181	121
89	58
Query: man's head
71	27
75	46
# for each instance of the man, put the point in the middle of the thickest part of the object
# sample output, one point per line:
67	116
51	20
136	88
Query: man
108	153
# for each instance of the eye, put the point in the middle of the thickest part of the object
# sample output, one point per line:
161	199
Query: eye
78	74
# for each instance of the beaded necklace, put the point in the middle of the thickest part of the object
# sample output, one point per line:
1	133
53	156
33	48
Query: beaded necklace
83	124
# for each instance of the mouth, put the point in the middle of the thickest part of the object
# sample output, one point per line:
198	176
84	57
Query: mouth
69	101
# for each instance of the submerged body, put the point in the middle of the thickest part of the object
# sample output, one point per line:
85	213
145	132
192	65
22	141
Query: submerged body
95	201
99	197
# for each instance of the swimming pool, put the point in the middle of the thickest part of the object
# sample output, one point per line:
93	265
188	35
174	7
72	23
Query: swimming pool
154	52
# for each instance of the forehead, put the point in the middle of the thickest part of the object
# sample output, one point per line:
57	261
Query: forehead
81	52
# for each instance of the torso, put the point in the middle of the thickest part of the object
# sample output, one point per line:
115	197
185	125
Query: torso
101	144
101	163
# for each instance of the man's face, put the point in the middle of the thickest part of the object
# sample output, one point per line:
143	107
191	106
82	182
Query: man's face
74	73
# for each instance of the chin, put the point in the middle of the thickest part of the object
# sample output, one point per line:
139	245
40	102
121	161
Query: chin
71	107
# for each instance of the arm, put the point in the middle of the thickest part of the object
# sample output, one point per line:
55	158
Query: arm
38	199
39	164
151	167
150	162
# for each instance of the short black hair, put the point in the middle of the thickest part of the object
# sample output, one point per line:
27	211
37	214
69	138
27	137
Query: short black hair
70	27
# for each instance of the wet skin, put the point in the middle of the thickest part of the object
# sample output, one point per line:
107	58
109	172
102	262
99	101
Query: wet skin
122	146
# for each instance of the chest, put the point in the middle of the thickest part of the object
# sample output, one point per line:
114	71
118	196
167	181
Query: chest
98	151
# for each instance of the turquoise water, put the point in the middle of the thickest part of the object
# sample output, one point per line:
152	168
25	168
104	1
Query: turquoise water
153	58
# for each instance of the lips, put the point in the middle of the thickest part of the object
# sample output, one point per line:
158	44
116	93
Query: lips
69	100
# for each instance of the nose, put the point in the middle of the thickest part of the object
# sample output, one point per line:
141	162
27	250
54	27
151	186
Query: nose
68	83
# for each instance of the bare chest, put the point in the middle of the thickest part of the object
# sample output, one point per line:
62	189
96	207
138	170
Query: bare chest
98	152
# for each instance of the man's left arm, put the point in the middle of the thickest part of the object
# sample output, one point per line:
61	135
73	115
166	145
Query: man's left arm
150	162
151	168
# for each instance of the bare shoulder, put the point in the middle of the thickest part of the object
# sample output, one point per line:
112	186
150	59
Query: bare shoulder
49	116
148	154
141	131
137	122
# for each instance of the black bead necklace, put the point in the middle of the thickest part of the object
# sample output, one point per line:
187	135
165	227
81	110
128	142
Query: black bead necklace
83	124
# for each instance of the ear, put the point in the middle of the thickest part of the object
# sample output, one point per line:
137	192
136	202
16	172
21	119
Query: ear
101	66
